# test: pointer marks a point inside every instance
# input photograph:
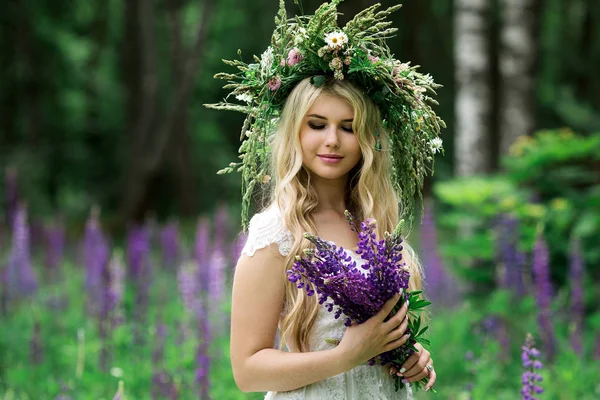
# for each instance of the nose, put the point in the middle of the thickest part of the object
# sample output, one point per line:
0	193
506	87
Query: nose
331	138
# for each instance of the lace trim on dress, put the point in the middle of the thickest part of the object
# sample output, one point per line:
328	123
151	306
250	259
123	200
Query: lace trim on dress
265	228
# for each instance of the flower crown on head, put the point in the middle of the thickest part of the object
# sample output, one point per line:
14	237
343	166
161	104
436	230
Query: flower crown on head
314	46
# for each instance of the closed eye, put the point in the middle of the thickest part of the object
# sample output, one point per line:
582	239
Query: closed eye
315	126
319	127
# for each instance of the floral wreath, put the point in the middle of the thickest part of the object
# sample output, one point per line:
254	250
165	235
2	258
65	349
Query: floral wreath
314	46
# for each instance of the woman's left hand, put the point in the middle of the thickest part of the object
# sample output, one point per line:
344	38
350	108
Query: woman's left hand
416	368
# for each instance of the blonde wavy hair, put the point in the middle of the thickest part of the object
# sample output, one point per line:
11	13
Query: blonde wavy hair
369	194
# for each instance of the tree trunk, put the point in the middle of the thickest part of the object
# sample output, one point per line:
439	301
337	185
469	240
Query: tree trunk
473	99
149	143
180	143
518	52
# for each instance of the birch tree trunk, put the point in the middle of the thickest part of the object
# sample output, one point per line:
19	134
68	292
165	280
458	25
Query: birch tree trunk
473	96
516	65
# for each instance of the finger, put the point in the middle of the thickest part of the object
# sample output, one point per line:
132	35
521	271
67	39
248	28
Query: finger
393	370
409	363
417	377
423	360
388	306
431	381
394	344
397	319
399	331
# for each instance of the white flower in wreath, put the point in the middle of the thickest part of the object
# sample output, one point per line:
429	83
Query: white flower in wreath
436	145
300	36
244	97
336	40
266	62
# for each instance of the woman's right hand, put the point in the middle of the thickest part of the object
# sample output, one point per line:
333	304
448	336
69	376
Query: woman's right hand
361	342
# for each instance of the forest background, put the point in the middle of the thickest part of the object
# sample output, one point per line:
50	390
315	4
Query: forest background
101	106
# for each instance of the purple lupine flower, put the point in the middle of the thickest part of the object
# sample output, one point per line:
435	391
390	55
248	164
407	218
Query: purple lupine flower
138	250
170	245
55	246
36	347
116	289
201	253
189	288
202	353
95	257
508	256
442	287
139	268
21	280
360	292
111	313
541	274
576	272
216	289
531	377
12	195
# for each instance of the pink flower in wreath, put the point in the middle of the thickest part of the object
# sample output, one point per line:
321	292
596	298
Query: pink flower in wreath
274	83
294	57
373	59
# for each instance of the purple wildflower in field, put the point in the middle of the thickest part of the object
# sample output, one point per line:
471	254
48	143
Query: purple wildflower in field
201	253
360	292
55	247
442	287
576	275
115	290
95	257
202	356
541	275
531	377
138	252
11	195
189	288
170	244
509	258
140	275
216	289
21	279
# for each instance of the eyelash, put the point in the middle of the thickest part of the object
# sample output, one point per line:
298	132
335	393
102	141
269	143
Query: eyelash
319	127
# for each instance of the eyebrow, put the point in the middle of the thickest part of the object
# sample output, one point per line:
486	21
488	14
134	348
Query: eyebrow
322	117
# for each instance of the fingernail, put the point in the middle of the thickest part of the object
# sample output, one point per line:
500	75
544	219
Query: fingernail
404	380
427	389
407	303
400	375
402	370
391	372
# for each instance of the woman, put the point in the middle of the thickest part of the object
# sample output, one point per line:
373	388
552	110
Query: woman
334	123
324	164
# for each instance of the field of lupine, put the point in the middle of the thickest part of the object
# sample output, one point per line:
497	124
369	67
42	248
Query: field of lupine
87	316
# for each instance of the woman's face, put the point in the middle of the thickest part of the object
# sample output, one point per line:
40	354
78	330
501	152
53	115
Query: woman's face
330	148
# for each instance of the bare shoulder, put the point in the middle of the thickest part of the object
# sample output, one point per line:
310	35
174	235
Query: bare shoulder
257	300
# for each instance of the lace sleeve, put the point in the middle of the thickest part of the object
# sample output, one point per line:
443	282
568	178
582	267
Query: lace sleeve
265	228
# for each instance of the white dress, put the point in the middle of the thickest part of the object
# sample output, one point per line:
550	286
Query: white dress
361	383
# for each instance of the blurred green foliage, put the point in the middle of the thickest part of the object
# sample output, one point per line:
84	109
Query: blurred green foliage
551	183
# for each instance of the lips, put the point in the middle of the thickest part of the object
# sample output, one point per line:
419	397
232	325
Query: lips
331	156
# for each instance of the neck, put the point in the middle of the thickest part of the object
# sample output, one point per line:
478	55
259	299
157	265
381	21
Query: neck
331	194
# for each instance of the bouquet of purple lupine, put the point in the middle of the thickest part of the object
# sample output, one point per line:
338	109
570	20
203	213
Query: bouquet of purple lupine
331	272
